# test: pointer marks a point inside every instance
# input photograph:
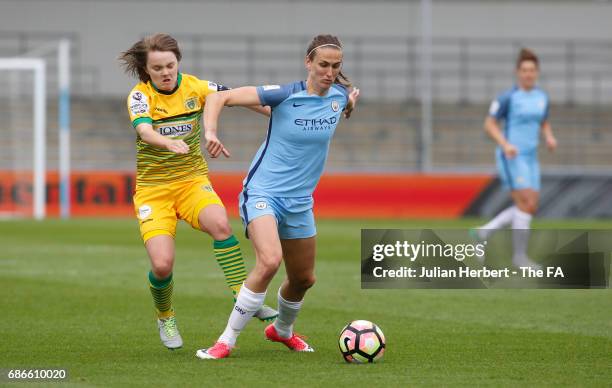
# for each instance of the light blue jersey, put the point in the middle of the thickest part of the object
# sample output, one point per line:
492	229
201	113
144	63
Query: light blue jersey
523	113
291	160
289	164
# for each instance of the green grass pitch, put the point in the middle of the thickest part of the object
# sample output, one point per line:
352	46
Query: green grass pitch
75	296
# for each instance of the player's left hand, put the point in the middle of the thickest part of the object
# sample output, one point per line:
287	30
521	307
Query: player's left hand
353	97
215	147
551	143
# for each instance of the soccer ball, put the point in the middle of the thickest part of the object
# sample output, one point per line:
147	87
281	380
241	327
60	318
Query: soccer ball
361	341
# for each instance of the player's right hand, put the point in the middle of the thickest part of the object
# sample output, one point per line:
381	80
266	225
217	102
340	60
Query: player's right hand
509	150
177	146
352	102
215	147
551	143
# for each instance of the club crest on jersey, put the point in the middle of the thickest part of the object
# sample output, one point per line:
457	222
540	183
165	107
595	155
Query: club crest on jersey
191	103
261	205
207	188
335	105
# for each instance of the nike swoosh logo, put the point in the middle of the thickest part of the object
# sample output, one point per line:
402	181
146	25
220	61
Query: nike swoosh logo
296	105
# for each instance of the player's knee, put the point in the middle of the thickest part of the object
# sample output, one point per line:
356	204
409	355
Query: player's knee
221	230
531	207
268	264
162	263
528	208
528	205
305	282
521	202
163	269
269	268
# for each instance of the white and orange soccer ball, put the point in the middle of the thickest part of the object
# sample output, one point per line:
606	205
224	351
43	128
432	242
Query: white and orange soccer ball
361	342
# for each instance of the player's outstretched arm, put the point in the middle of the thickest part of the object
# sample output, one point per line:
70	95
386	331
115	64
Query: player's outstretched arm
551	141
149	136
491	127
244	96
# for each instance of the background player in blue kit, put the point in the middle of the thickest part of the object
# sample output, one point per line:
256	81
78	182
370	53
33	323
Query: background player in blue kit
276	201
524	111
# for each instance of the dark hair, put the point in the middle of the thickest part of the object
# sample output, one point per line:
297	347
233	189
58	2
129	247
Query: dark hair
134	60
527	55
320	40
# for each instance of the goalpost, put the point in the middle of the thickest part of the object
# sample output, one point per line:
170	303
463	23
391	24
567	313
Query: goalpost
63	61
14	71
37	66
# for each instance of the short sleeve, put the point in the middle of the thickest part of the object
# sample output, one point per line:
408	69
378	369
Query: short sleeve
499	106
209	87
273	95
139	107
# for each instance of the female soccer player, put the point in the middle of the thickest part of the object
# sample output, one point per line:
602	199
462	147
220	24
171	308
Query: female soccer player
172	183
524	110
276	202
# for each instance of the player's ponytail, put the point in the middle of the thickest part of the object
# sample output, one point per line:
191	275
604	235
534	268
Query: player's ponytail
328	41
134	60
527	55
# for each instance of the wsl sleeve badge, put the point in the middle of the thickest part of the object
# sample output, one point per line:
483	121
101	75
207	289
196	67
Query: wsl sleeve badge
138	103
362	342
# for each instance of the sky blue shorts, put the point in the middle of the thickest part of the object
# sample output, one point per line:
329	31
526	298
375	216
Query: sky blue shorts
294	215
520	172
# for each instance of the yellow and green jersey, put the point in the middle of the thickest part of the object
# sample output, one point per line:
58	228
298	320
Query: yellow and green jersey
176	114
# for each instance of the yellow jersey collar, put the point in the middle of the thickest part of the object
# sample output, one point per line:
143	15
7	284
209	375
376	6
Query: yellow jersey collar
179	78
